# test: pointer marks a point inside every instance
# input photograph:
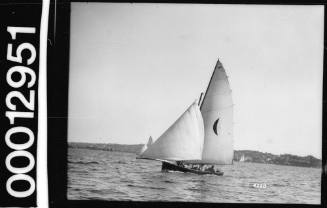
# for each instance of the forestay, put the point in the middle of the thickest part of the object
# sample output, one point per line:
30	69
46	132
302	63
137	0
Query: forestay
181	141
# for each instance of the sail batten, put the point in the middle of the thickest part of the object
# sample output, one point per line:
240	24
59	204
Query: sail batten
231	106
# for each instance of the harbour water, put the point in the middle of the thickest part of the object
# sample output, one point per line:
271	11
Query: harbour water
105	175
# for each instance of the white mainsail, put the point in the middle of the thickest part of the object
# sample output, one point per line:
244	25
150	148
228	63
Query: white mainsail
181	141
217	112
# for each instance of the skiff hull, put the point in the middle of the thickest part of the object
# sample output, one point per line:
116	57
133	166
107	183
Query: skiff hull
173	167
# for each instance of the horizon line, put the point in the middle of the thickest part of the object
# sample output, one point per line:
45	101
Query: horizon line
320	158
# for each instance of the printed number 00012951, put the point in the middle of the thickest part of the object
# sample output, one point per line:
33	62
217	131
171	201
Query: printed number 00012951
20	149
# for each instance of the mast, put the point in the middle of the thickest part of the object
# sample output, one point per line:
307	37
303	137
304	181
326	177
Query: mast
200	99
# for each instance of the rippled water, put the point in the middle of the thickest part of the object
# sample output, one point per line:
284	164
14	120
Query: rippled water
104	175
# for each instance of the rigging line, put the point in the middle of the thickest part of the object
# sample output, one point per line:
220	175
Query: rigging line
219	108
226	93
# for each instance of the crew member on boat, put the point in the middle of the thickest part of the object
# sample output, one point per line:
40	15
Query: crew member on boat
211	169
180	163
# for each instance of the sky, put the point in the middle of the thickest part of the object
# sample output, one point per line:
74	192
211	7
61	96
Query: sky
135	68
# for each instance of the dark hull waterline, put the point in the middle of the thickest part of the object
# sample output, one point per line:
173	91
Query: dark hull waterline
172	167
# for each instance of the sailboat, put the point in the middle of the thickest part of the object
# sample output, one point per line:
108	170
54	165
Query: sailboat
242	158
145	146
203	134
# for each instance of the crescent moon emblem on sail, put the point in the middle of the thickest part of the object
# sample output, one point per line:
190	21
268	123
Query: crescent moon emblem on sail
215	126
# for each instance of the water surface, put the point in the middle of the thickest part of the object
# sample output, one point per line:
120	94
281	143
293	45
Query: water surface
105	175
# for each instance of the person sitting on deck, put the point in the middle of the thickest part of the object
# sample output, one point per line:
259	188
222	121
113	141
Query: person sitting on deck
185	165
202	167
216	169
211	169
179	163
195	167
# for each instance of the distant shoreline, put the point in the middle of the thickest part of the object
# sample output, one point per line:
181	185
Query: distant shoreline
245	155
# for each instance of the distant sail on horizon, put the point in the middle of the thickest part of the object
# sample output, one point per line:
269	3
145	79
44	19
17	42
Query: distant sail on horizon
150	141
242	158
146	146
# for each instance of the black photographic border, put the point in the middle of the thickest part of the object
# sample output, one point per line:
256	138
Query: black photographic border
57	98
17	14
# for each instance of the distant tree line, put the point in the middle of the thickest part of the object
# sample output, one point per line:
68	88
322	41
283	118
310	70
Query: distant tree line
132	148
283	159
248	155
